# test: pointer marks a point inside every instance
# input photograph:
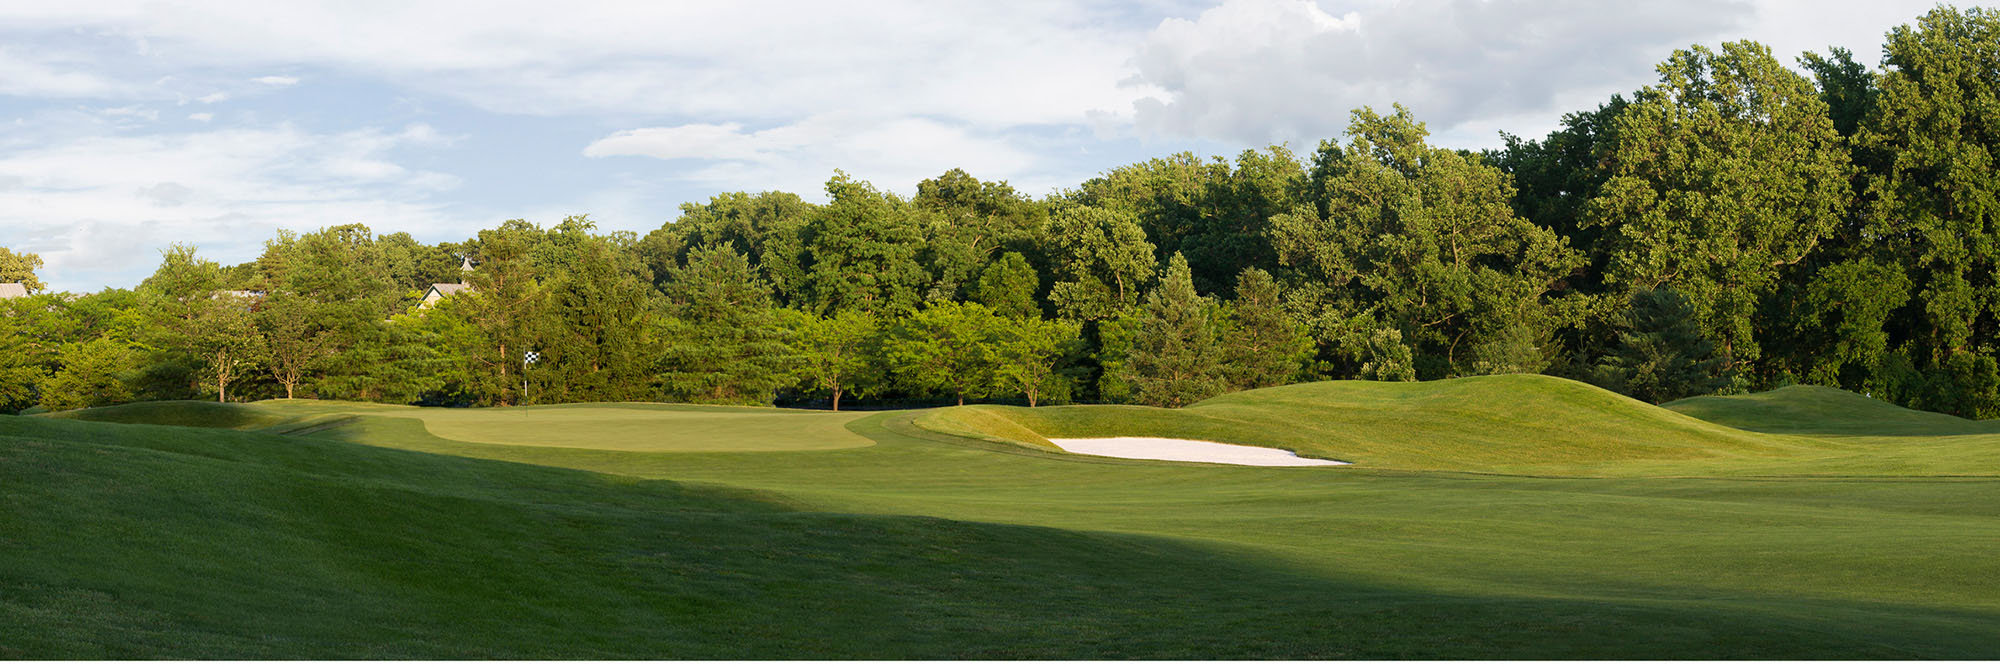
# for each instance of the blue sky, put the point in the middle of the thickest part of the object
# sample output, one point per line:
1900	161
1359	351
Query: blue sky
132	125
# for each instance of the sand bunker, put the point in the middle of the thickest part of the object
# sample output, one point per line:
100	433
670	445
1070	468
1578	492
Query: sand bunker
1170	449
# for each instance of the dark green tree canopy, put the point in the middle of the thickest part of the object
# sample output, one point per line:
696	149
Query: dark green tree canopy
1823	223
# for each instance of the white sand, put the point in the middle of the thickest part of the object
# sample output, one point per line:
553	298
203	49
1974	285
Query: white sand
1170	449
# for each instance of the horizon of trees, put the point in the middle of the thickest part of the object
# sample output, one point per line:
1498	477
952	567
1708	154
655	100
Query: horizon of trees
1737	226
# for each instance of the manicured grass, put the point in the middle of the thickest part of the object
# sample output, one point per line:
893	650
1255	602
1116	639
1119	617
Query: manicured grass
207	414
638	427
643	428
1517	423
1824	411
1706	541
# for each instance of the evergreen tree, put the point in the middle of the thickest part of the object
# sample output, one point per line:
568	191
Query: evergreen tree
507	307
1660	354
449	353
1176	356
1263	345
595	339
724	342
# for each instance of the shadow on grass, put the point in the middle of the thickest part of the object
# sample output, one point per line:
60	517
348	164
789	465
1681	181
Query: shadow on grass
121	541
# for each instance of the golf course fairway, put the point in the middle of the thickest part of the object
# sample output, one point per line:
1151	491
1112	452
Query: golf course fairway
1485	517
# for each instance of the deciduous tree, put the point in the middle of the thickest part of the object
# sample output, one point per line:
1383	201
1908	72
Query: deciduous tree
838	353
1029	355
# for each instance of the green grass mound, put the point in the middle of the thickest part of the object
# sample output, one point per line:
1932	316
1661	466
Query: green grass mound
204	414
1517	423
1824	411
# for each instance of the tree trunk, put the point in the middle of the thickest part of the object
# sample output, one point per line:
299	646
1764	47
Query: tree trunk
288	391
836	400
505	385
961	399
1031	400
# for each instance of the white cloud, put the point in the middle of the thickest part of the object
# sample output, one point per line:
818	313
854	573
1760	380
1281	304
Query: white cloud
132	112
1038	61
38	78
1255	71
201	117
277	80
894	153
96	208
212	98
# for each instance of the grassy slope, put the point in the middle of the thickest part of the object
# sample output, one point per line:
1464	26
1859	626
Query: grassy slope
1534	425
1825	411
1519	423
1068	556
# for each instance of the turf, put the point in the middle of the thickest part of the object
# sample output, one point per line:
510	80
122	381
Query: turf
1824	411
648	428
640	427
1519	423
322	531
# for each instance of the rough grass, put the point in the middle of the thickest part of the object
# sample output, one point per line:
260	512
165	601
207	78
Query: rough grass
356	538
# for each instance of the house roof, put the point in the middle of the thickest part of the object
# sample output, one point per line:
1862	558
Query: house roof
448	289
12	290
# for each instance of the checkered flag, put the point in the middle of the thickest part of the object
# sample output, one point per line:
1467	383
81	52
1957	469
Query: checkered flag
531	357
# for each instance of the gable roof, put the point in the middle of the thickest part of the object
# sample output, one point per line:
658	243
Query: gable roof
448	289
13	290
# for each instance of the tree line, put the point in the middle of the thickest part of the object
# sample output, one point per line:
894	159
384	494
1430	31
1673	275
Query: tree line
1737	226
